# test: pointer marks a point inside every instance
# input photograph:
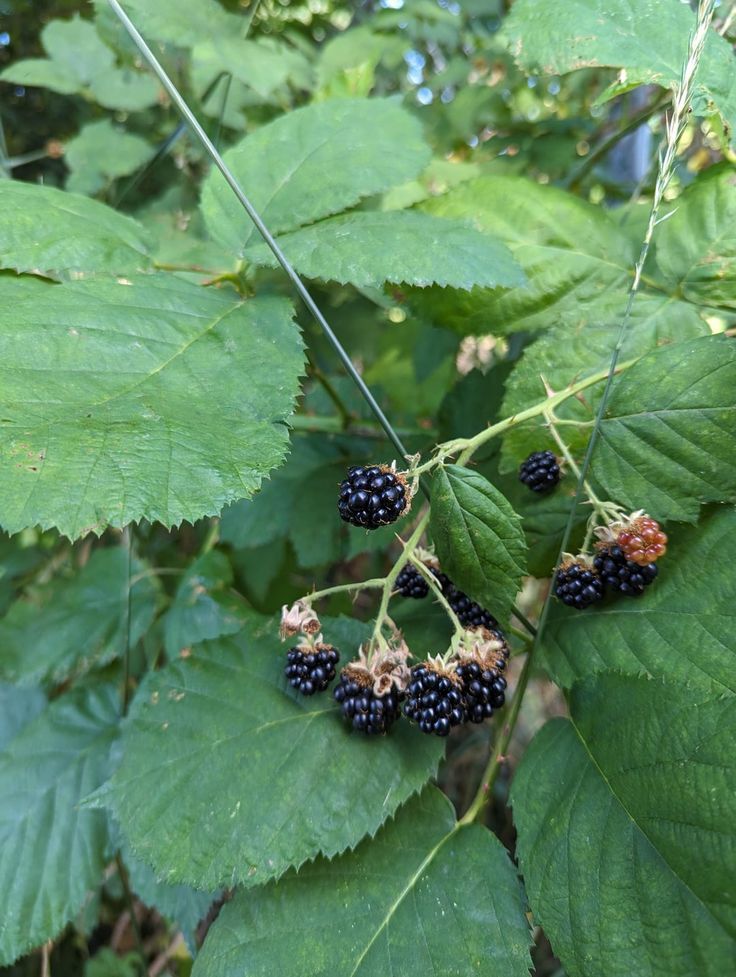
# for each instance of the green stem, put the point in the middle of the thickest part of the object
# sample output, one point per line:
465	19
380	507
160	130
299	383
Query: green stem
345	588
328	387
521	635
128	543
437	591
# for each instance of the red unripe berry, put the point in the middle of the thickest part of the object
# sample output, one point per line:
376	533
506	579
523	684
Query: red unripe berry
642	541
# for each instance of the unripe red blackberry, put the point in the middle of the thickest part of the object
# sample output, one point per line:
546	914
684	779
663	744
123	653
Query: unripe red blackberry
578	584
366	711
434	699
622	575
311	669
540	472
372	496
642	541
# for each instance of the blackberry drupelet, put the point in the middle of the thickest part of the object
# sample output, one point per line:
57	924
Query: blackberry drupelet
311	670
622	575
372	496
410	583
484	689
540	472
434	700
362	708
578	585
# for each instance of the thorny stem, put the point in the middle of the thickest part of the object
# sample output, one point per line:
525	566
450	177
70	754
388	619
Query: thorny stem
344	588
437	591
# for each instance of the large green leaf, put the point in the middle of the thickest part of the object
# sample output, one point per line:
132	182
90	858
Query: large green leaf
255	777
666	442
626	820
52	853
150	399
567	353
100	153
77	46
312	163
649	39
680	629
371	247
59	234
125	89
425	896
696	246
479	539
70	626
254	63
574	256
204	605
17	708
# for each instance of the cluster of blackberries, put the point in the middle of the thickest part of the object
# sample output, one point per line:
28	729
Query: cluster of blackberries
311	669
540	472
580	584
411	583
372	496
365	710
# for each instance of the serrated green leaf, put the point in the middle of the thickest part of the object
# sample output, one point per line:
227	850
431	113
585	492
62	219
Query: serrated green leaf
204	605
696	246
42	73
372	247
194	421
70	626
681	628
256	777
425	896
573	255
59	234
52	853
478	536
311	163
625	819
666	442
648	38
76	45
100	152
567	353
17	708
125	90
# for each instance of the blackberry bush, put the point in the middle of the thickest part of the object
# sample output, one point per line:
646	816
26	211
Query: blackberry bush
372	496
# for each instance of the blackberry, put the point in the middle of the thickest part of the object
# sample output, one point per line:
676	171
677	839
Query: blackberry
364	710
540	472
311	670
622	575
469	613
372	496
434	700
410	583
578	585
484	689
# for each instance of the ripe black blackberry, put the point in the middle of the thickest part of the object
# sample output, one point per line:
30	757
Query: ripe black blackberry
484	689
469	613
622	575
364	710
434	699
410	583
578	585
540	472
311	669
372	496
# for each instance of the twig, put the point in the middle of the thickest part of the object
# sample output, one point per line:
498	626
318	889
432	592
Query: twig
163	958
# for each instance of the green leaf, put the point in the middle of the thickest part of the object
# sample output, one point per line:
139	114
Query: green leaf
254	63
256	777
100	153
76	45
696	246
572	253
42	73
71	626
371	247
479	538
125	90
17	708
425	896
649	39
52	853
625	818
59	234
680	629
567	353
311	163
666	442
204	605
194	421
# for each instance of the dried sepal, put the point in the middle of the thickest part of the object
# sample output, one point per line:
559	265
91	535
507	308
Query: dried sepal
300	618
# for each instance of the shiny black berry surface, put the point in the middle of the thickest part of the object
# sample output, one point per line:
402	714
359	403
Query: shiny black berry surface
470	614
363	709
410	583
621	575
371	497
311	671
578	586
434	701
540	472
484	690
